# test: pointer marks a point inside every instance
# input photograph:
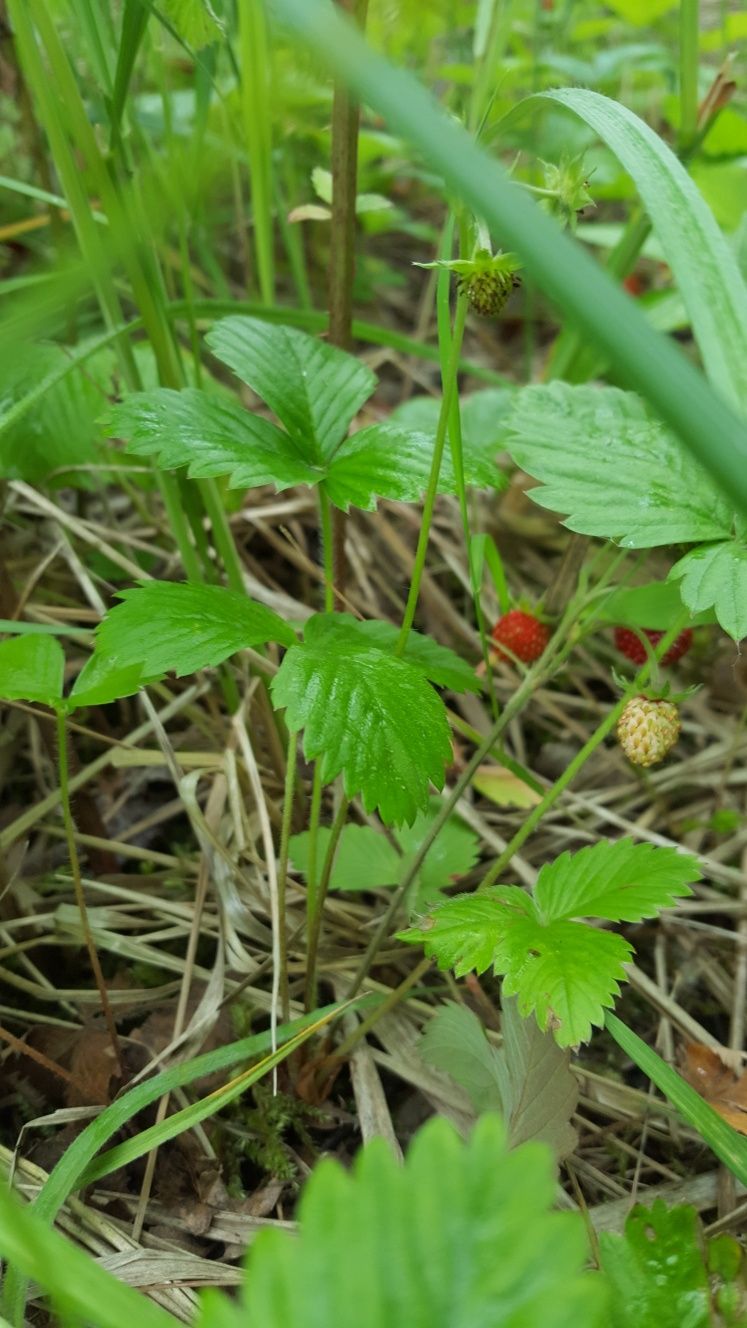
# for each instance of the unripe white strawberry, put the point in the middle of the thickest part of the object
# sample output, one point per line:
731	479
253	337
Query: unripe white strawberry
648	729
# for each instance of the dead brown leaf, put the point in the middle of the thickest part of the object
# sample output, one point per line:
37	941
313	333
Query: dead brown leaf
723	1090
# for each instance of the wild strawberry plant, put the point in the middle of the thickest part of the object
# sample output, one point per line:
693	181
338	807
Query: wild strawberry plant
635	471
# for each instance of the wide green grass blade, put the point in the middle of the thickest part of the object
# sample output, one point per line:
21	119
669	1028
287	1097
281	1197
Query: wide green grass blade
567	275
122	1154
729	1147
66	1177
74	1280
704	265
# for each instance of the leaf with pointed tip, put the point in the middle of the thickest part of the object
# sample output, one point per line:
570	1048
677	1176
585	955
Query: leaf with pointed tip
529	1080
659	1275
366	860
657	604
178	627
716	576
460	1234
102	681
313	388
565	973
617	880
483	415
210	437
586	443
384	461
439	664
31	669
366	715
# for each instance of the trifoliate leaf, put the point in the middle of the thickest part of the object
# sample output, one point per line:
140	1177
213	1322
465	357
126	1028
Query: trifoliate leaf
169	627
617	880
588	443
660	1272
210	437
566	972
437	663
366	715
460	1235
31	668
313	388
716	576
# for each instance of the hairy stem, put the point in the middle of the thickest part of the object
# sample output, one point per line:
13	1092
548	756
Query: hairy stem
449	390
345	122
288	798
315	919
72	848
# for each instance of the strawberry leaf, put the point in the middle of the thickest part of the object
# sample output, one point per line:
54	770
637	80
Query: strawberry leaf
565	972
462	1233
210	437
657	605
386	462
437	663
313	388
483	417
658	1273
529	1080
367	715
365	860
31	668
617	880
170	627
716	576
585	443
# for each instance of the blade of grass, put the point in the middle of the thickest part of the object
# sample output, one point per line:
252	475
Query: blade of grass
255	104
67	1176
158	1134
77	1285
729	1147
566	274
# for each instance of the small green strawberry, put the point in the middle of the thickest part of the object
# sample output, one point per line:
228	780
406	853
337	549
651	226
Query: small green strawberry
486	279
647	729
489	286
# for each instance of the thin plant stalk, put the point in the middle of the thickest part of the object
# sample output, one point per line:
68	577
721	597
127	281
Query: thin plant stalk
315	921
449	390
345	124
72	848
325	524
569	774
689	43
285	829
255	105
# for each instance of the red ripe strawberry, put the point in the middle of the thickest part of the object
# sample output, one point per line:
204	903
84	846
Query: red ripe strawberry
523	634
629	644
633	285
